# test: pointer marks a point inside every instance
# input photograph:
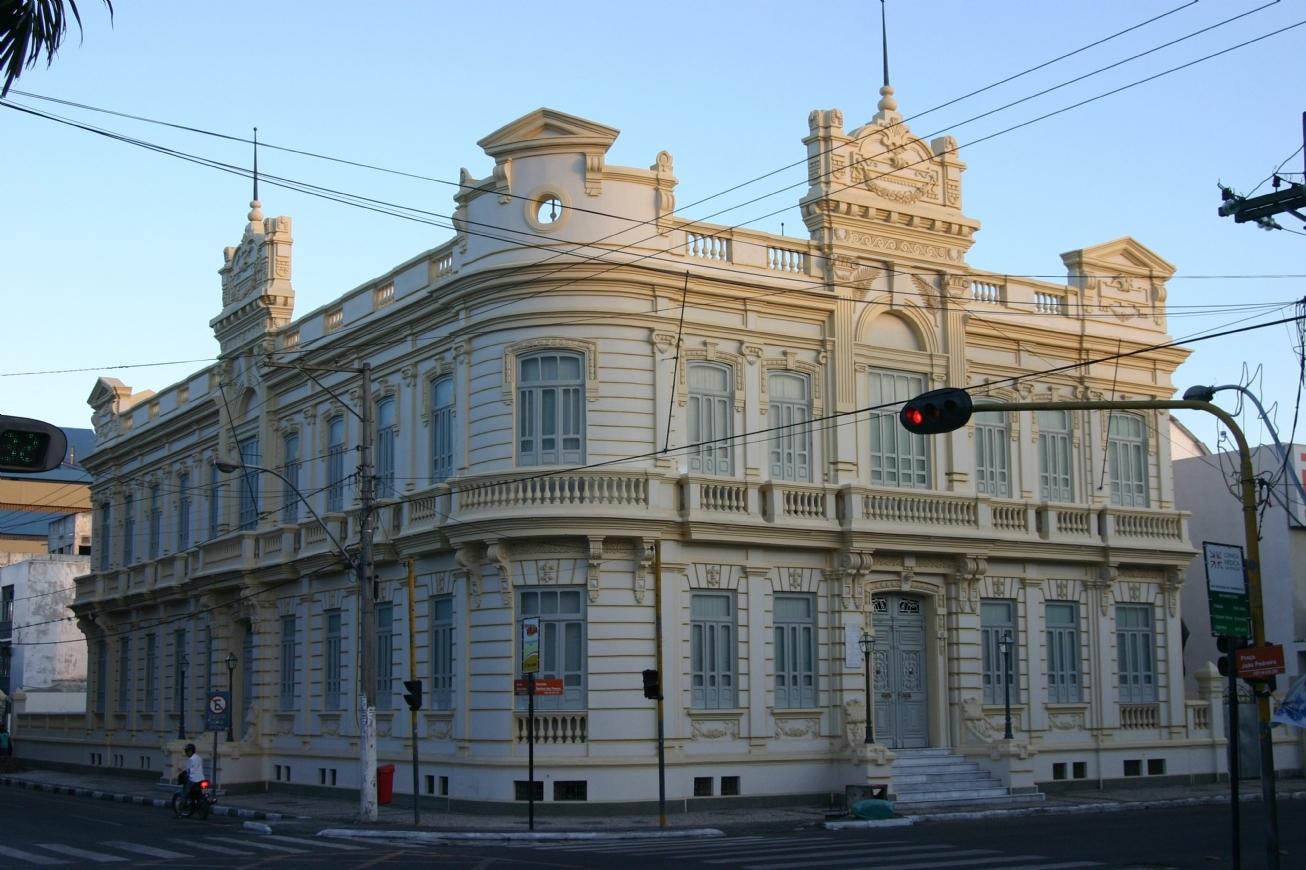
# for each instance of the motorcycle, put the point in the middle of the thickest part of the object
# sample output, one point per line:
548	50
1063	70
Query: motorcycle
194	802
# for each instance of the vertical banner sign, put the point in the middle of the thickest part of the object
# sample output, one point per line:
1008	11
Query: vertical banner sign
530	645
1226	590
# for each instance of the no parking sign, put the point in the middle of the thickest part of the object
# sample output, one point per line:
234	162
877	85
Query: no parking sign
217	712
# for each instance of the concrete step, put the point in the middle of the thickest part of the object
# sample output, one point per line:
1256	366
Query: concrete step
952	795
969	776
918	804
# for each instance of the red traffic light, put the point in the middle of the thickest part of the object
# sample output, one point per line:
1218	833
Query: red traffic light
937	411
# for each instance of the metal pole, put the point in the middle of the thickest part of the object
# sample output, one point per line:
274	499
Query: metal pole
412	674
181	698
216	765
1234	772
231	695
657	643
1253	563
1006	685
530	748
367	616
870	733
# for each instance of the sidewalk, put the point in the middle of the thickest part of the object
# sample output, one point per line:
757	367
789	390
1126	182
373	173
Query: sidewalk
336	816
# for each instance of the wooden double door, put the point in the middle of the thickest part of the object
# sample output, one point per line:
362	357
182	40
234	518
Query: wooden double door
900	686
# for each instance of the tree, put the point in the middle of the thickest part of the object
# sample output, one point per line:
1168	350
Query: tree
30	27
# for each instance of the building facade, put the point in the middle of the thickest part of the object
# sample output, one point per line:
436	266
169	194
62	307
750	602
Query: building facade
676	446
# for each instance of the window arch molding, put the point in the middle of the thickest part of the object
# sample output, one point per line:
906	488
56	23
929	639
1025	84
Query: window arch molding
709	353
588	351
788	364
442	368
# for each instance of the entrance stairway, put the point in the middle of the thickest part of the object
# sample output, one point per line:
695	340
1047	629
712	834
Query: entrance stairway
924	777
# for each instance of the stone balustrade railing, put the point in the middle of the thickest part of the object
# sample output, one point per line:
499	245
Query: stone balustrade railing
555	727
1139	716
920	510
612	489
1199	716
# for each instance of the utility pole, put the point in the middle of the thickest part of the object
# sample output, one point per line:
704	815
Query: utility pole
366	611
1262	209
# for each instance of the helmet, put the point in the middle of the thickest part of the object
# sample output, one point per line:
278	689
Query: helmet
190	747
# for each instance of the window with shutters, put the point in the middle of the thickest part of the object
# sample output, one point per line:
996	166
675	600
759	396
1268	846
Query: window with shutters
215	501
1055	461
441	430
385	652
335	464
105	542
712	650
992	454
442	652
1135	653
898	457
249	484
710	418
1062	618
333	653
550	409
128	530
183	512
998	660
151	672
1126	453
386	432
156	521
124	675
795	651
562	643
289	657
290	471
789	419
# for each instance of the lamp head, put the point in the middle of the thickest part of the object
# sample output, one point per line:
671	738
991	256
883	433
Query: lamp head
866	642
231	661
224	466
1199	393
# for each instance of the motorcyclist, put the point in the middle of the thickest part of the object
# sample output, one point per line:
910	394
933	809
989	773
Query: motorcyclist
193	774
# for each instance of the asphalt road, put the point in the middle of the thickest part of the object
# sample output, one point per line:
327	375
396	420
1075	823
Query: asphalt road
41	829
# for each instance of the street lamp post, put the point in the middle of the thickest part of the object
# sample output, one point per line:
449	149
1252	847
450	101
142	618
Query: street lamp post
867	644
1005	643
231	691
182	665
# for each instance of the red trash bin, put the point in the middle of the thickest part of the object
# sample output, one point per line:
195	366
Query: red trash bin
385	783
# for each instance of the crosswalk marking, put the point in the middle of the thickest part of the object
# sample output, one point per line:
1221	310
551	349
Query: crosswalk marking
206	847
300	841
97	857
152	851
251	844
31	857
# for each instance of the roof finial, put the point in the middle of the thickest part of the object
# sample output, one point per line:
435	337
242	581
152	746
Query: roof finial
884	36
887	105
255	207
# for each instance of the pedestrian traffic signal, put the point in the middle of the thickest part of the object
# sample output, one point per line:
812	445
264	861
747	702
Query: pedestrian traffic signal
30	446
652	685
936	411
413	695
1227	663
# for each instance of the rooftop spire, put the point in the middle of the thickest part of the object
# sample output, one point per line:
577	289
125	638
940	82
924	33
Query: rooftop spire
255	207
887	105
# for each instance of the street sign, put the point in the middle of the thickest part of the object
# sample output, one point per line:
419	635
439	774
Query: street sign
217	712
545	686
1226	590
1260	662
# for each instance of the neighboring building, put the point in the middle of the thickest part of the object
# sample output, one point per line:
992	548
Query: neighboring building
525	390
41	648
30	502
1207	486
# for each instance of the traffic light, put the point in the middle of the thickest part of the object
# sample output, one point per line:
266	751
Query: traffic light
413	695
1229	645
936	411
652	685
30	446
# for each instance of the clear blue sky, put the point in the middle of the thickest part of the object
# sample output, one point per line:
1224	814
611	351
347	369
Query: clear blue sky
110	252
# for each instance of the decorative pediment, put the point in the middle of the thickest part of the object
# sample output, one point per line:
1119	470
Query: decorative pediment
547	131
1124	256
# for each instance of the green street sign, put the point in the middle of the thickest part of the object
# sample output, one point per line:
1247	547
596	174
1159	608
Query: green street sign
1226	590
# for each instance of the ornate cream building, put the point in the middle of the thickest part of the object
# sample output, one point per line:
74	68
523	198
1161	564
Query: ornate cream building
580	374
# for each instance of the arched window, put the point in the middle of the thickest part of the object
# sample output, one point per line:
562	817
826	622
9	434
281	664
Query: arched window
336	464
290	471
790	422
710	418
551	409
385	448
1126	456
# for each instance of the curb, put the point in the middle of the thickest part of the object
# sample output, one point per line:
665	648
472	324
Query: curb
140	800
553	836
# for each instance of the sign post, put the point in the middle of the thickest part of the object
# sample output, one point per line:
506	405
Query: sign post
217	717
530	665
